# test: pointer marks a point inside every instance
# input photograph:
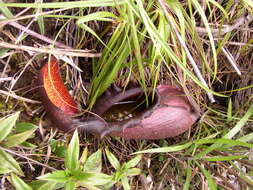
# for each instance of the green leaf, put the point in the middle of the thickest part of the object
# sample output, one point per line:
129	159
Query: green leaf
3	51
17	139
211	184
84	156
137	49
220	7
45	185
112	159
6	12
72	155
28	145
40	19
241	173
224	141
133	172
94	162
4	170
8	163
58	148
101	16
6	125
230	134
24	126
18	183
83	4
109	64
90	187
158	41
240	124
209	32
89	178
248	3
188	176
224	158
69	185
229	112
246	138
133	162
56	176
125	183
60	151
166	149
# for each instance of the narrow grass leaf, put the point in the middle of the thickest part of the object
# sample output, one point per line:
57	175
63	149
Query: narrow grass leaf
98	69
179	10
88	29
56	176
157	39
211	184
73	4
9	163
219	7
137	49
112	159
5	11
246	138
246	178
229	112
230	134
72	155
18	183
101	16
240	124
6	125
224	158
109	64
40	19
209	33
166	149
223	141
188	176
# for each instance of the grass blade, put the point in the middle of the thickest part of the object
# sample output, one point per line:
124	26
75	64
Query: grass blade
166	149
211	184
73	4
230	134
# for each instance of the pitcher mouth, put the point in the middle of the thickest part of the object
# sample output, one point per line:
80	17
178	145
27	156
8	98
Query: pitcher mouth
127	104
129	107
